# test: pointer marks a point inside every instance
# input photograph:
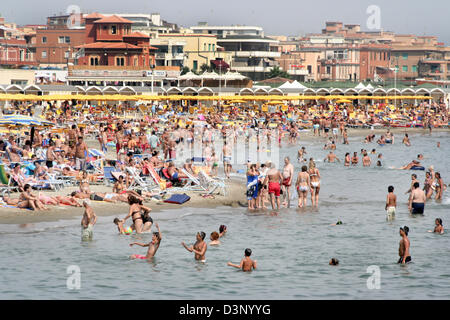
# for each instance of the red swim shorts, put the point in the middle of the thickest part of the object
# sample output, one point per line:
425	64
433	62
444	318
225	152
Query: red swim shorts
274	187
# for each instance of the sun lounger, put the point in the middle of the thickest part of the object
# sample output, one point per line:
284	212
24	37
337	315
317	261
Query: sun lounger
139	182
211	184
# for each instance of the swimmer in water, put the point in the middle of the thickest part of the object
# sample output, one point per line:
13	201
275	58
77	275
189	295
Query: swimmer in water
334	262
199	247
406	141
152	246
439	228
121	228
247	264
403	250
222	230
337	223
214	239
391	204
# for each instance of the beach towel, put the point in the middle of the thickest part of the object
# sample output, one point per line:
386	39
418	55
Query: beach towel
178	198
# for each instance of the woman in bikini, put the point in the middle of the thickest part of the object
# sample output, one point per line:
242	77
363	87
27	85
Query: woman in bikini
141	221
314	176
303	184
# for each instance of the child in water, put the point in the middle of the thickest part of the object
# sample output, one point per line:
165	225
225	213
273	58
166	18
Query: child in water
439	228
247	264
121	228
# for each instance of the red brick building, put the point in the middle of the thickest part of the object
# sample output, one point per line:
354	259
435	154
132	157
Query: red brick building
56	46
373	57
108	41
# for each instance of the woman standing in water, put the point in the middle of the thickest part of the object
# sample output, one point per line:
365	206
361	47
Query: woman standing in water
440	186
141	221
314	176
303	184
403	250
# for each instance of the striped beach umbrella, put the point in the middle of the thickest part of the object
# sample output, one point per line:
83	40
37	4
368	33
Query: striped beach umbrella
19	120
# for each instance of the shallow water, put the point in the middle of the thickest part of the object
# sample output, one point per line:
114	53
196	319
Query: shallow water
292	248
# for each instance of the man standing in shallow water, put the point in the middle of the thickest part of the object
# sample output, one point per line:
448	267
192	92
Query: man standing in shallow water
273	179
88	221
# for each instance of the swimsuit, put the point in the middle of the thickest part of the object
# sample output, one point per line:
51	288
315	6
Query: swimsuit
390	212
274	187
138	256
418	208
407	259
302	188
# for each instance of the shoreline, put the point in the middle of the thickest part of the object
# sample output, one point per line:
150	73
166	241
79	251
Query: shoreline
235	188
235	196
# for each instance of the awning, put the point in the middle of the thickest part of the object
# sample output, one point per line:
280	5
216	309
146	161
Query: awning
220	64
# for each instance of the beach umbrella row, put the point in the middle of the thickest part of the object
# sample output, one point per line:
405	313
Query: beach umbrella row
118	97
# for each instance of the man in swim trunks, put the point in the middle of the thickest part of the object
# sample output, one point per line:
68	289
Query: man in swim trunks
417	200
403	250
391	203
87	222
247	264
288	173
273	179
152	246
199	247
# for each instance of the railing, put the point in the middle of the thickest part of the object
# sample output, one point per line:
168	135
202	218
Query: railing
258	54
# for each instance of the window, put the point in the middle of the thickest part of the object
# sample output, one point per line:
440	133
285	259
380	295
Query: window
66	54
120	61
405	69
209	47
61	39
204	47
195	65
67	40
414	69
113	29
135	62
405	56
44	39
214	47
328	69
94	61
44	54
19	82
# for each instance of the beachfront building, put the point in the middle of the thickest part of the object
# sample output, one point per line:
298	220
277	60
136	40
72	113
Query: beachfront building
302	65
253	54
199	50
170	51
17	45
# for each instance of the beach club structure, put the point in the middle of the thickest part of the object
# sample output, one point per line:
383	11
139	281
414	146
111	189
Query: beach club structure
220	91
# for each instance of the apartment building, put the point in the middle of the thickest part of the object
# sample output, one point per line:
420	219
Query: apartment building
253	54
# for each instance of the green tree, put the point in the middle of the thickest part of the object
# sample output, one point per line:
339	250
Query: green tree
204	67
184	70
277	72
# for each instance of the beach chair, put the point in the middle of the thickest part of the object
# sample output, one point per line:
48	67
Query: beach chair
210	184
108	178
193	184
140	183
6	182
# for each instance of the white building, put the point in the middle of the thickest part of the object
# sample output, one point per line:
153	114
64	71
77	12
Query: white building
253	54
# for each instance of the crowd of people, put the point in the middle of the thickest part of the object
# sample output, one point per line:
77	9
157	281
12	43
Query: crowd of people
154	146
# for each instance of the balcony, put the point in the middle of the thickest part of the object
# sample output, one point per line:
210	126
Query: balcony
251	69
301	72
258	54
